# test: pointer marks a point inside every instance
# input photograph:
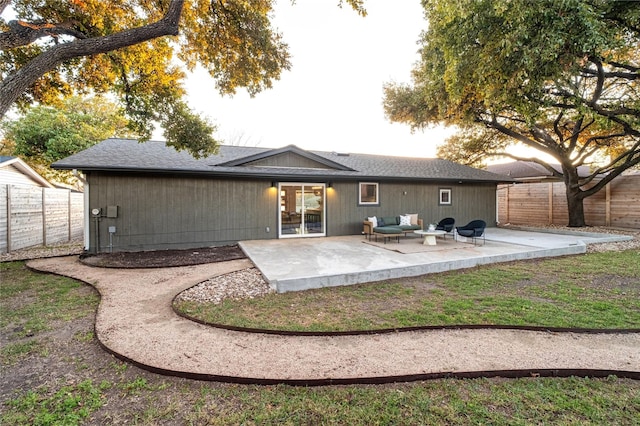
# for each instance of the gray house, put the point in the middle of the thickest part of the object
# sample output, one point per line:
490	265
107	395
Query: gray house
145	196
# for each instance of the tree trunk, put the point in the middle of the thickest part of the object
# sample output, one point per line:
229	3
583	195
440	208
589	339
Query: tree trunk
575	197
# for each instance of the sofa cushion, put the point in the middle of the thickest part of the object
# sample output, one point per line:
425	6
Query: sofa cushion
414	218
387	230
409	227
390	220
405	220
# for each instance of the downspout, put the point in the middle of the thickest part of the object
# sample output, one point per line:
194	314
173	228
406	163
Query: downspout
85	215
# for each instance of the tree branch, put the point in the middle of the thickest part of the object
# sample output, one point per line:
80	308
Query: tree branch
3	5
556	126
494	124
23	33
613	173
597	93
16	83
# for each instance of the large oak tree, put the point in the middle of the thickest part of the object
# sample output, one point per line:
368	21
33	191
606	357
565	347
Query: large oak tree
558	76
56	48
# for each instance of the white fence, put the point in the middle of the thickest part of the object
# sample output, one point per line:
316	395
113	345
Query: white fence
34	216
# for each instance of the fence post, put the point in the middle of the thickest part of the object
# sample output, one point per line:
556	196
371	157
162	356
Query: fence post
8	218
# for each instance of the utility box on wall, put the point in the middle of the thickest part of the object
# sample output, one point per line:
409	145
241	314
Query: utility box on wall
112	211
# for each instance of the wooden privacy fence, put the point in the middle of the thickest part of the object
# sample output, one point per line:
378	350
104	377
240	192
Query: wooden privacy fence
617	205
33	216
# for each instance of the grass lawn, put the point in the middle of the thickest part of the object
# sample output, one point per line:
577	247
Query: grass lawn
598	290
54	371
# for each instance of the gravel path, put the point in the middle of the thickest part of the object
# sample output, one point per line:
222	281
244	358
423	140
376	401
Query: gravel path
135	321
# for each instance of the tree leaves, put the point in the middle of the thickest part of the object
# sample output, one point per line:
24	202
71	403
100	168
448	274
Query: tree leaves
47	134
232	39
558	76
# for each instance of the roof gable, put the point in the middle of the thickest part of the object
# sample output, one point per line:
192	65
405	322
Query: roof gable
14	170
288	157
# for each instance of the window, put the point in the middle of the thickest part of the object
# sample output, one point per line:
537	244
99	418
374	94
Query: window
445	197
368	194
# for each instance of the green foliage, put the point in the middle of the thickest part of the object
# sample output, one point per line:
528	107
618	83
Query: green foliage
186	130
557	76
69	405
47	134
233	40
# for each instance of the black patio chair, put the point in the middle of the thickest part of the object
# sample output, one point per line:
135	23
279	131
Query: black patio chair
473	230
446	225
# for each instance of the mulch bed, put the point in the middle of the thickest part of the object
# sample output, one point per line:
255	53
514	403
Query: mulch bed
164	258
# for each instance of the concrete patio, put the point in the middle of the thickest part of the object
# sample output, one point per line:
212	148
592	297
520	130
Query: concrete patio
300	264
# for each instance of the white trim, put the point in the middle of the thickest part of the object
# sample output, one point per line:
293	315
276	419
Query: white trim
324	210
87	219
368	203
441	192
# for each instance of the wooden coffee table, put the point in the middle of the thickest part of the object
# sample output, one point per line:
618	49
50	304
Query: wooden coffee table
430	236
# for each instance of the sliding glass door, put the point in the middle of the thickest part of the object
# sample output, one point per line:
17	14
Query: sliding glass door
302	210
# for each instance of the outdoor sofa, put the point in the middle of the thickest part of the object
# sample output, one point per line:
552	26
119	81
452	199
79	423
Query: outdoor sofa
391	226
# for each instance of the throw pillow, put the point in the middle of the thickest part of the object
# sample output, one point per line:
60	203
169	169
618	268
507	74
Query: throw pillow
373	220
414	218
405	220
380	222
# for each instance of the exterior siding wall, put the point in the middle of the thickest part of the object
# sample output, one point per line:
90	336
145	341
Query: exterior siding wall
165	212
9	175
469	201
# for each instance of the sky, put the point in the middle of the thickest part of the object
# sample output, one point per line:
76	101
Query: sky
331	99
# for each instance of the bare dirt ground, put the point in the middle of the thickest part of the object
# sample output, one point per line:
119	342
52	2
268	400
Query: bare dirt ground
165	258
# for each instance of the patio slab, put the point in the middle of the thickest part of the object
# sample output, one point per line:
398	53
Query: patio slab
306	263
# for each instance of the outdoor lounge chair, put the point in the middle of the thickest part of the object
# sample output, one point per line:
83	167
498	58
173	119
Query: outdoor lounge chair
473	230
446	225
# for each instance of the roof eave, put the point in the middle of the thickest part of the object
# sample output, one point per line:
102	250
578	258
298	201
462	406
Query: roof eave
277	176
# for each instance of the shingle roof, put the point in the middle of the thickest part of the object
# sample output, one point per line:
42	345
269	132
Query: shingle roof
529	169
154	156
